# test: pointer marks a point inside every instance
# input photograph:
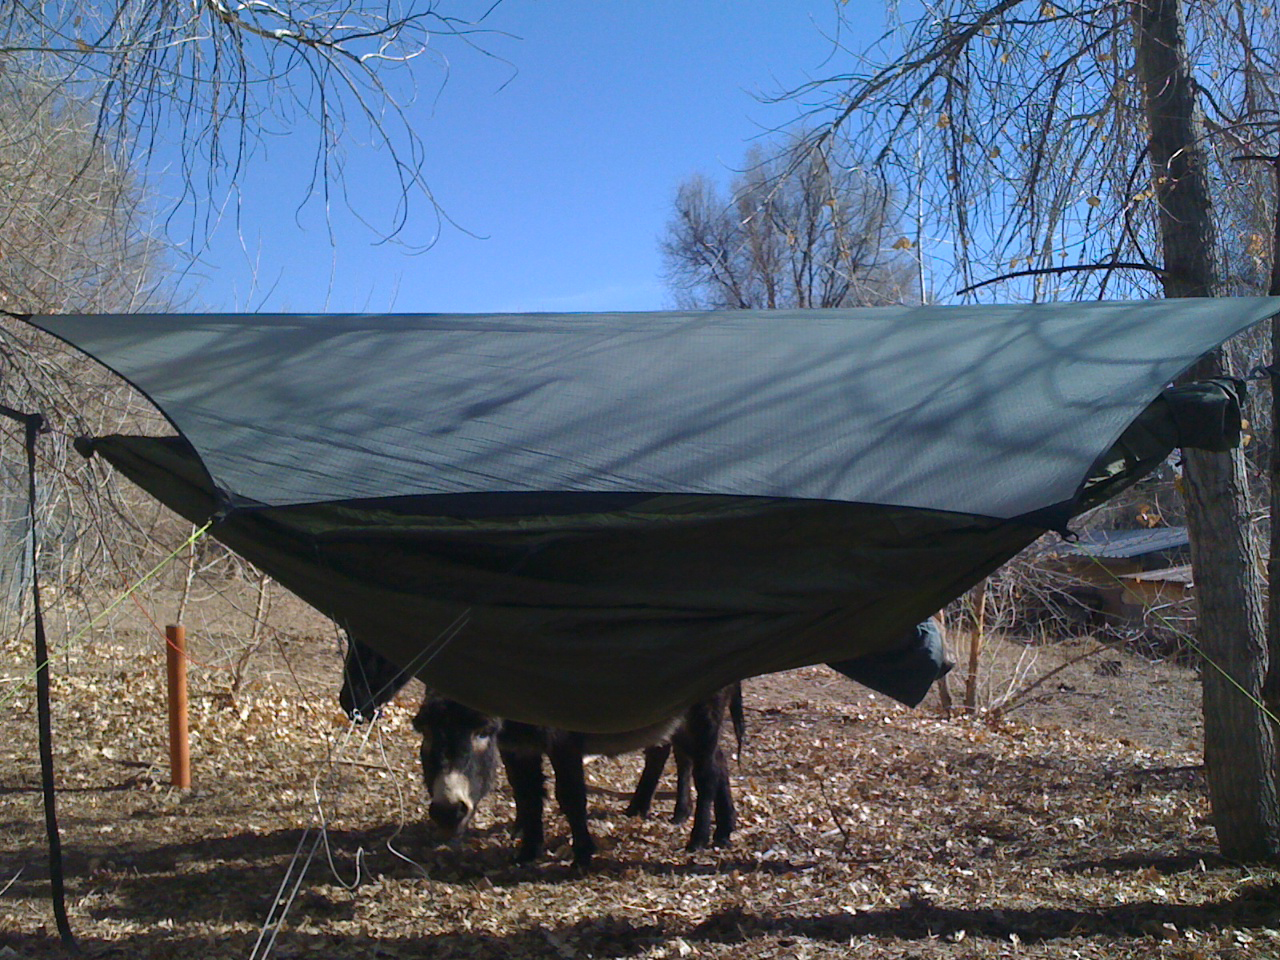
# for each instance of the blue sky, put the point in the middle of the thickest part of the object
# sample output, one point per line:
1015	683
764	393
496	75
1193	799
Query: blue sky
559	149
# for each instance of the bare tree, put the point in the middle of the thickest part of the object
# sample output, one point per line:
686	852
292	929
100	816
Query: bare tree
1070	160
799	228
208	78
91	92
1028	125
73	238
1240	740
73	222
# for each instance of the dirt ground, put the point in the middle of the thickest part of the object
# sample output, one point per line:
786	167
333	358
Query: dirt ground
1076	827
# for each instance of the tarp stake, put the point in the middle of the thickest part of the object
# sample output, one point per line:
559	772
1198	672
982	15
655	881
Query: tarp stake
179	740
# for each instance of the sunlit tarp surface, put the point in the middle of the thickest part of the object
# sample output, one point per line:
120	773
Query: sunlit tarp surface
994	410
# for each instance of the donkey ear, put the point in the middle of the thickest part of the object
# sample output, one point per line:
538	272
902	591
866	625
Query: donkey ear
420	722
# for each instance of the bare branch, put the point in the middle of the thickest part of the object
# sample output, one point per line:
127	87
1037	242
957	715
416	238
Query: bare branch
209	77
1046	271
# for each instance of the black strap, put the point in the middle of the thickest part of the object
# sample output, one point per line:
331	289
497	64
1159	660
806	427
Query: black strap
1269	372
34	426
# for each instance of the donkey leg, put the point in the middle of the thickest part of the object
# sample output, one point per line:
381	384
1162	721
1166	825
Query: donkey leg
655	759
524	773
571	794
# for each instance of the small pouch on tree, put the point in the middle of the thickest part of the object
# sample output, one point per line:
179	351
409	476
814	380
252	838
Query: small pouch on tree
1206	414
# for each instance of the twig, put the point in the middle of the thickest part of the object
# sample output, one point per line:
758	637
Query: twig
1020	698
835	818
360	763
12	880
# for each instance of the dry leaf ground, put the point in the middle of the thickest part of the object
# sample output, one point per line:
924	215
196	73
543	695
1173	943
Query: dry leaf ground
1077	829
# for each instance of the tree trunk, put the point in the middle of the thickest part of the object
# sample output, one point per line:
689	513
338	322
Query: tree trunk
1271	687
1240	742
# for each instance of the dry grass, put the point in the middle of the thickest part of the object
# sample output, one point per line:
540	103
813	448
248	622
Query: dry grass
865	830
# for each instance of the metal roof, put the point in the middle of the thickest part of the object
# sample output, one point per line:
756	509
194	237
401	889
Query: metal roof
1182	574
1123	544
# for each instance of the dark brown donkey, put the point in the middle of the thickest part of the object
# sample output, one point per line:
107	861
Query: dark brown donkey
461	747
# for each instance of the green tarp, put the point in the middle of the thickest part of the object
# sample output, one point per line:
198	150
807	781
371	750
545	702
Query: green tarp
593	521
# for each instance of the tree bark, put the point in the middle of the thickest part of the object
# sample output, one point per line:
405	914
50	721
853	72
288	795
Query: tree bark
1271	686
1240	742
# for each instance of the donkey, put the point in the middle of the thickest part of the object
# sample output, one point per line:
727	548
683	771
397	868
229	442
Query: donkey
370	680
461	748
699	731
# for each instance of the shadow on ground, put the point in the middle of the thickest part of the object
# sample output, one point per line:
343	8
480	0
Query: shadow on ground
916	919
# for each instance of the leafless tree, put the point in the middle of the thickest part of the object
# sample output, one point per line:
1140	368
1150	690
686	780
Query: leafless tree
798	228
73	222
1028	124
1068	151
73	238
208	79
90	93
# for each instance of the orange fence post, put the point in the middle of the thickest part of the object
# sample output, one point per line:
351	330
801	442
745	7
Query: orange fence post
179	742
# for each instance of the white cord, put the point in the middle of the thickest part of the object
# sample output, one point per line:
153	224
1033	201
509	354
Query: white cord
275	920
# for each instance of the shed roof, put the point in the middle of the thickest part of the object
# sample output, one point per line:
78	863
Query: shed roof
1126	544
1180	574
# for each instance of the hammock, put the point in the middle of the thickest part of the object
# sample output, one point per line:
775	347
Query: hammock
591	521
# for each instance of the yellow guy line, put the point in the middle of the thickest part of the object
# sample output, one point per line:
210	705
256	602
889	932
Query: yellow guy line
146	577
